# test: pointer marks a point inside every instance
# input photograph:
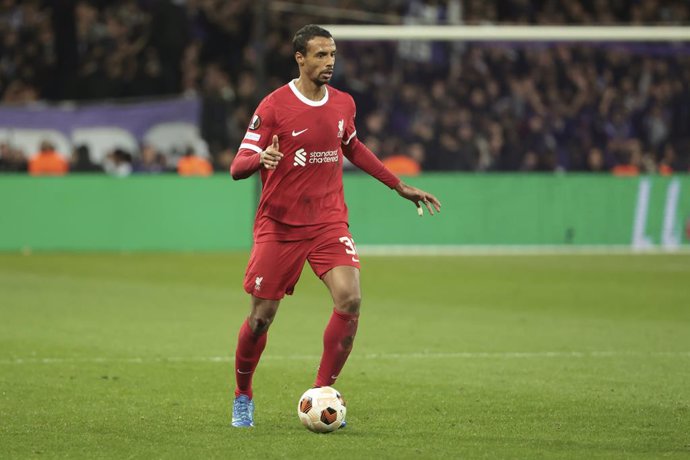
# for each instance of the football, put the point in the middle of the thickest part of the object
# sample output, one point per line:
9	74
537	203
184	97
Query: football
321	410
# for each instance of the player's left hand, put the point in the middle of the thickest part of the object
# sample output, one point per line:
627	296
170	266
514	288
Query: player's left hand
418	196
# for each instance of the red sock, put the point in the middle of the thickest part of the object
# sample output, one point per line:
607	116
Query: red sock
337	344
249	349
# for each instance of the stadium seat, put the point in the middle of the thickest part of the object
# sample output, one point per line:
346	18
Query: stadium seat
174	139
102	140
29	140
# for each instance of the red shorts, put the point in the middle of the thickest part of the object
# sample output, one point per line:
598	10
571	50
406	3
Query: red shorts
275	266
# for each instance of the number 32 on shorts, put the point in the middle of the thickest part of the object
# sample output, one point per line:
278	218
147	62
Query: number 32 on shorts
350	248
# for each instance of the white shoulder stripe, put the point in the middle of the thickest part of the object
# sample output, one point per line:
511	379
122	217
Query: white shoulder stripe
350	138
253	147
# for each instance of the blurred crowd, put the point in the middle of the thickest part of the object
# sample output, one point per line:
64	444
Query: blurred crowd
120	163
621	108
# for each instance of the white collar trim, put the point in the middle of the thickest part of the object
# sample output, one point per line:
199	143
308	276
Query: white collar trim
304	99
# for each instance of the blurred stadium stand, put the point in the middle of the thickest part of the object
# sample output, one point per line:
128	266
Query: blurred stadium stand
621	108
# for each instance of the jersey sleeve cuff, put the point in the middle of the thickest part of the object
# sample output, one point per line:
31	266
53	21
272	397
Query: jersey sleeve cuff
245	145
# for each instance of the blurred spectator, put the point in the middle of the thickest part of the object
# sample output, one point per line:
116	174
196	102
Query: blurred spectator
218	99
530	162
467	156
668	162
595	160
150	161
629	159
223	160
402	165
20	92
11	159
118	163
81	161
192	165
48	162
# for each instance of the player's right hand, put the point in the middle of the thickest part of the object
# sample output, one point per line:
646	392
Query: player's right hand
270	157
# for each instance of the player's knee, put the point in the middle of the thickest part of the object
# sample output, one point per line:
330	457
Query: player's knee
260	321
260	324
349	304
262	314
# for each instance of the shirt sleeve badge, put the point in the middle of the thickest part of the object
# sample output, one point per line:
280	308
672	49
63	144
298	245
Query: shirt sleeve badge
255	123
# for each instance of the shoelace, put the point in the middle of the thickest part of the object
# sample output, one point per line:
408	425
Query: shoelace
241	410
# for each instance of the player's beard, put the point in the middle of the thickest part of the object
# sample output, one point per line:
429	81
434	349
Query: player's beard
322	79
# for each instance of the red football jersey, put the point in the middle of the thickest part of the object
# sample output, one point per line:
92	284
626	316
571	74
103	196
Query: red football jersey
305	192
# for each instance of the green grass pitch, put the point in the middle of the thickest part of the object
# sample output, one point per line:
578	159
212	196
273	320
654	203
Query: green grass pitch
128	356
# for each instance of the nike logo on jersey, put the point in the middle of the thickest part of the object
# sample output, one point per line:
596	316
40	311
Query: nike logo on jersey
297	133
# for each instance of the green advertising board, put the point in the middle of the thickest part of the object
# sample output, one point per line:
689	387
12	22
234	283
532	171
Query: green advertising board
189	214
527	210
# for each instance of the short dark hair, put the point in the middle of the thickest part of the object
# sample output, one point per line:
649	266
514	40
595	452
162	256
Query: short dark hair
306	33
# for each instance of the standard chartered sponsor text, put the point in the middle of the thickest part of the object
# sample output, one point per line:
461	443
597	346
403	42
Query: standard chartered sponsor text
329	156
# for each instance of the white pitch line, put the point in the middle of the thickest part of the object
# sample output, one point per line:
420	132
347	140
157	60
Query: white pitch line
508	250
369	356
